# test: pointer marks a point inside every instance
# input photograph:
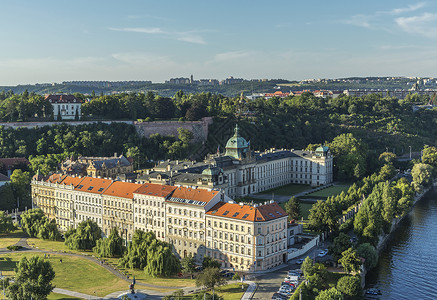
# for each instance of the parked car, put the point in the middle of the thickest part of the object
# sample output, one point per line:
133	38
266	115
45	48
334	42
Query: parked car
299	261
322	253
285	291
277	296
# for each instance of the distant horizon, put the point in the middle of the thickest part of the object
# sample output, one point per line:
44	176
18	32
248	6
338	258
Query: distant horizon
219	79
54	41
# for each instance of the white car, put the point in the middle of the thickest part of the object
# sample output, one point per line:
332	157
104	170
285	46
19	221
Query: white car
322	253
299	261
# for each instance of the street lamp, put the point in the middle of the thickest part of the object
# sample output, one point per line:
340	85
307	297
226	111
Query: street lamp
410	152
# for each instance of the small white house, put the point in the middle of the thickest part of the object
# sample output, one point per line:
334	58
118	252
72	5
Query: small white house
65	107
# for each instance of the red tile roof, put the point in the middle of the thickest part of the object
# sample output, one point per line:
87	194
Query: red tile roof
62	99
56	178
122	189
70	180
157	190
261	213
93	185
192	196
11	162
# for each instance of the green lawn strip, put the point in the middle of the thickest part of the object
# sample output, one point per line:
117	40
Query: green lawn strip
11	238
288	190
74	273
305	209
228	292
54	296
329	191
140	276
57	246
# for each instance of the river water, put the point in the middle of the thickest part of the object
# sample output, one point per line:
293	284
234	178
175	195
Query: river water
407	267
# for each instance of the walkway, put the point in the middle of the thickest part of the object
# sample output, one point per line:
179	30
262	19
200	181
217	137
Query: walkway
250	290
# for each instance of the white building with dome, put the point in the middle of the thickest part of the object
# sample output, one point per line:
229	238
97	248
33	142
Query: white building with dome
241	172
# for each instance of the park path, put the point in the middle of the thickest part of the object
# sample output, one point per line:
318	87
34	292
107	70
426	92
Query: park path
26	248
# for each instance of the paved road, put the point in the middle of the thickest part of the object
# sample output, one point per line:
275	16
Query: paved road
269	283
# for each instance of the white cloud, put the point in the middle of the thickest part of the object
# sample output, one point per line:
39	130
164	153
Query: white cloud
359	20
424	25
232	55
410	8
187	36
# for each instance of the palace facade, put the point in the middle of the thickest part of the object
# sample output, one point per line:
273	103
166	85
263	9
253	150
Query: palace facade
240	172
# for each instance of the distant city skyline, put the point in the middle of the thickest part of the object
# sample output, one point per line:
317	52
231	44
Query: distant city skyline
54	41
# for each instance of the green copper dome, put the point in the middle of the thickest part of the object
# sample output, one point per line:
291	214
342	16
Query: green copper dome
236	146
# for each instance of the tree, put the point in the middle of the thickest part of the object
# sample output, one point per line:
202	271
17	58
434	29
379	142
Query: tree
323	217
188	265
308	267
387	172
292	207
350	156
330	294
210	278
350	261
31	221
111	246
6	224
32	279
21	186
148	253
209	262
341	243
350	287
7	197
369	253
422	175
429	156
84	237
387	157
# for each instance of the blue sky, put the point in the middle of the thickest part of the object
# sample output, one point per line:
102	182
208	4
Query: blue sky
54	41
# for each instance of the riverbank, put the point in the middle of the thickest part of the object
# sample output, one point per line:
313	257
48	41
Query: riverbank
385	238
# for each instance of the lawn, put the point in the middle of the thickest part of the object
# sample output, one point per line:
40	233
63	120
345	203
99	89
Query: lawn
288	190
11	238
140	276
304	208
51	245
228	292
54	296
330	191
74	273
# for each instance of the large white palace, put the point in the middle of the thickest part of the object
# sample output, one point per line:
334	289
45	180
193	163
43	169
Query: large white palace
240	172
189	204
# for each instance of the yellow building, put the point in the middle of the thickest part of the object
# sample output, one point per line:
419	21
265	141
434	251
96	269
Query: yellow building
247	237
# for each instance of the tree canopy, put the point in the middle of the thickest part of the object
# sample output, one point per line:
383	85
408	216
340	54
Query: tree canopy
84	237
33	279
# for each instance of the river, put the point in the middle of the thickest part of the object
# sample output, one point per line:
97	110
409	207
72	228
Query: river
407	267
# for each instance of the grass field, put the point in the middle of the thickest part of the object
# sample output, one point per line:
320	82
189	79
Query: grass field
288	190
11	238
74	273
140	276
54	296
329	191
228	292
52	246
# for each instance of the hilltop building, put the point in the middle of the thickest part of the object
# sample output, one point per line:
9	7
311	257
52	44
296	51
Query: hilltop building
65	107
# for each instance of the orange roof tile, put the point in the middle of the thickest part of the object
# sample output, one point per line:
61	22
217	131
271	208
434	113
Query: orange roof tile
122	189
155	190
70	180
192	196
261	213
55	178
93	185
